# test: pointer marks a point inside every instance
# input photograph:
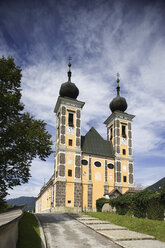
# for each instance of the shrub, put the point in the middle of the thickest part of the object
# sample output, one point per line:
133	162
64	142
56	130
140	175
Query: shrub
155	208
146	203
100	202
140	201
123	204
162	195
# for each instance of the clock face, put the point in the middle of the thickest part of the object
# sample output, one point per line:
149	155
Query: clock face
70	130
123	141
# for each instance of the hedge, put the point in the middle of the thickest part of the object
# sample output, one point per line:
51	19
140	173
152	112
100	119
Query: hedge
143	204
100	202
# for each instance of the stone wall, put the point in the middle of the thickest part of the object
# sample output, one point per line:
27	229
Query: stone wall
77	194
60	193
89	195
9	230
107	208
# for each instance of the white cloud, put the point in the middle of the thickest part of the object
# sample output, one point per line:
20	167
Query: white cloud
102	41
41	172
149	175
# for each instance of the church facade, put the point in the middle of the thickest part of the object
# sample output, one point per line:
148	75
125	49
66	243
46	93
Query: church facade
87	167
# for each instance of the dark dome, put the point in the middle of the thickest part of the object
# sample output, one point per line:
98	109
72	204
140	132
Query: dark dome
69	89
118	103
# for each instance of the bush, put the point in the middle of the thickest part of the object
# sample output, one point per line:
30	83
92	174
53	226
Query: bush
140	203
162	195
123	204
155	208
100	202
143	204
4	206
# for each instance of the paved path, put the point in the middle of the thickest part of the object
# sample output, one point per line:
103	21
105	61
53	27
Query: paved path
62	231
9	216
120	235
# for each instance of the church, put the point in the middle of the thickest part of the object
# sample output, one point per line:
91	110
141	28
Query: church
87	167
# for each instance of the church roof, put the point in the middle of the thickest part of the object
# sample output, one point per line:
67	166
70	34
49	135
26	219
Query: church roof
93	143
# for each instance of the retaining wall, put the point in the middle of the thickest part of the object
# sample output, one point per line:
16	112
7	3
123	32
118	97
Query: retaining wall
9	228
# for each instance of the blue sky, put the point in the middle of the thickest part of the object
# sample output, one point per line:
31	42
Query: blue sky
103	38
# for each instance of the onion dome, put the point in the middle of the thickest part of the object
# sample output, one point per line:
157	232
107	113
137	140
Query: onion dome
118	103
69	89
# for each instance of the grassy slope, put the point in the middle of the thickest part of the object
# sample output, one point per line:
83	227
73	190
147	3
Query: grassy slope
29	233
151	227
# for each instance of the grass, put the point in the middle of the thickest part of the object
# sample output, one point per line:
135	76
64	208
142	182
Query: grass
29	233
151	227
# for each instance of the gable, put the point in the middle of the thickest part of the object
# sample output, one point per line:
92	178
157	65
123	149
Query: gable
93	143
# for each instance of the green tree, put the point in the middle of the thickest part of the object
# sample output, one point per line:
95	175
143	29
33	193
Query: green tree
22	138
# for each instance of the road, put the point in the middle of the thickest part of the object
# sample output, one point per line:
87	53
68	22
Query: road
62	231
9	216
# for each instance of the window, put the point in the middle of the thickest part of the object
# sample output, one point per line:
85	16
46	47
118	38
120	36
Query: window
69	201
97	164
70	142
124	151
111	133
124	131
110	166
69	173
124	179
70	120
84	162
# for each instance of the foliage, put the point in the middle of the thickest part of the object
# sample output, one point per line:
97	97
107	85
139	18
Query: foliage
29	233
155	208
4	206
100	202
122	204
22	138
140	202
162	195
143	204
150	227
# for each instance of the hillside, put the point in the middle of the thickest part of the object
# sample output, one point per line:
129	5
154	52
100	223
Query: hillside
29	201
158	185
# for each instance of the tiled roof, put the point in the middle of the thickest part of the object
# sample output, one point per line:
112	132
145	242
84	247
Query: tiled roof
131	191
115	191
93	143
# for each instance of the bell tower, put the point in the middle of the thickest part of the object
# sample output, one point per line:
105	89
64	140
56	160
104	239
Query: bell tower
68	146
119	131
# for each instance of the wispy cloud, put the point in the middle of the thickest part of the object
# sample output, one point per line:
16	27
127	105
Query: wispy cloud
41	172
103	38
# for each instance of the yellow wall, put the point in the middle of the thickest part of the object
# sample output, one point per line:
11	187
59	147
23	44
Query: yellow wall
54	194
69	195
110	176
70	136
124	172
97	179
124	146
45	199
84	178
70	164
124	163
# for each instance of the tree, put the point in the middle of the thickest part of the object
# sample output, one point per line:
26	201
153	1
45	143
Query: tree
22	138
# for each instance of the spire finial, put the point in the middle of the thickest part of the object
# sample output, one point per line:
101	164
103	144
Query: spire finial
69	72
118	87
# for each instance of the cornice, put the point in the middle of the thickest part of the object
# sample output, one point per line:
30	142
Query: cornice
69	102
